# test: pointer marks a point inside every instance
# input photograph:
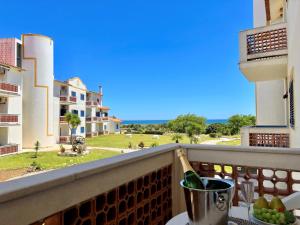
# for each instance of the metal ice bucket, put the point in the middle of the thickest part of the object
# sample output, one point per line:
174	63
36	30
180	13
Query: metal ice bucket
210	206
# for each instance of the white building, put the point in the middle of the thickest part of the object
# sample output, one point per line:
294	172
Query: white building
33	104
269	57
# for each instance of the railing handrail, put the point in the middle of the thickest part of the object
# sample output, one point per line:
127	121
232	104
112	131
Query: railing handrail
29	185
264	28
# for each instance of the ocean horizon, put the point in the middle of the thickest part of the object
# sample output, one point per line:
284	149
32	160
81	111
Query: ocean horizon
147	122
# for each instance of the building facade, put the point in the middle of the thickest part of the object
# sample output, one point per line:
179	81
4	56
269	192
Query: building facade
33	104
268	57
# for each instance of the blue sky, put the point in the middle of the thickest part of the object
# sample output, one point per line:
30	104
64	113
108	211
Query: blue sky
155	59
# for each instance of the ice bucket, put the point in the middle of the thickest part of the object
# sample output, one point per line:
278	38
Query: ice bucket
209	206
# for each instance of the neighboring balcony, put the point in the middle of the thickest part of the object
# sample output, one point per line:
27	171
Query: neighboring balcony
142	187
263	52
7	89
92	134
90	104
9	120
64	139
8	149
266	136
68	100
93	119
63	120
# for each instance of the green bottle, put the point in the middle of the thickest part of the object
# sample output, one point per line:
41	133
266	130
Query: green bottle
191	178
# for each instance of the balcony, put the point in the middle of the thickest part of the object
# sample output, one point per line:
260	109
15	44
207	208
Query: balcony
266	136
92	134
141	187
64	139
93	119
8	149
90	104
263	52
68	100
9	120
62	120
8	90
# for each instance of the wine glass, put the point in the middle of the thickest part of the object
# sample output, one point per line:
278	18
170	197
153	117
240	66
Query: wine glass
247	194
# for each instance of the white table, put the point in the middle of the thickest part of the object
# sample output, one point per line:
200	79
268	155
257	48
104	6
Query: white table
237	212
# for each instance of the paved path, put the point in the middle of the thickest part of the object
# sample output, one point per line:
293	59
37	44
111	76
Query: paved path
215	141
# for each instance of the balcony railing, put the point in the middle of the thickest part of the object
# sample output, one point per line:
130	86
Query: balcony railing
9	89
64	139
68	100
141	187
9	119
266	136
263	42
62	119
91	119
8	149
92	103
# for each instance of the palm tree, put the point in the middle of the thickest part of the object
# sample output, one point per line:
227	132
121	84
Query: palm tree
176	137
73	121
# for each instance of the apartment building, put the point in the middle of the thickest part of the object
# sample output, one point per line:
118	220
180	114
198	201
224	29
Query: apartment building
33	104
269	57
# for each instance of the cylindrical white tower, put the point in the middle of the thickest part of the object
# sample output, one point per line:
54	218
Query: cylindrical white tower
37	90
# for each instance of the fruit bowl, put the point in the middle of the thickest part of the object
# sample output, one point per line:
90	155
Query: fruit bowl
260	222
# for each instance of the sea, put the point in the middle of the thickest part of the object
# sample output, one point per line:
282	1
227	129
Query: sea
145	122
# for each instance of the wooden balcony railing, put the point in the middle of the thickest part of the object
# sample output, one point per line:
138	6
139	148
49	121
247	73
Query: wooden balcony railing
141	187
266	136
8	149
263	42
91	119
11	88
62	119
9	118
68	99
64	139
92	103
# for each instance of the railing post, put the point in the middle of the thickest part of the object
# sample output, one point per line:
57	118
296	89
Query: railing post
177	192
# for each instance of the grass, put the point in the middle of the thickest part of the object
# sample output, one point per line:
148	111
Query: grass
122	141
50	160
233	142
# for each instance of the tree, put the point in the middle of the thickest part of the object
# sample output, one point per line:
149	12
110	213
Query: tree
182	122
217	128
176	137
73	121
236	122
36	148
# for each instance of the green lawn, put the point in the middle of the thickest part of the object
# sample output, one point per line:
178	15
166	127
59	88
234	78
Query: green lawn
234	142
50	160
122	141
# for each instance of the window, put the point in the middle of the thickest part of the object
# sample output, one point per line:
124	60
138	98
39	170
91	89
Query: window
82	113
82	130
98	114
73	93
117	126
19	58
292	113
75	112
104	127
82	97
73	131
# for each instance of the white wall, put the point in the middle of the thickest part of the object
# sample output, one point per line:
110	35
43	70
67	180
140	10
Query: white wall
270	105
259	13
293	17
56	117
37	106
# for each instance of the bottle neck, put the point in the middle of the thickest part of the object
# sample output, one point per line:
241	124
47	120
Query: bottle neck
186	166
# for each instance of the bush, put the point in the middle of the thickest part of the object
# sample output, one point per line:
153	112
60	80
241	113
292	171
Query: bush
154	145
130	145
62	149
215	135
141	145
34	166
157	132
